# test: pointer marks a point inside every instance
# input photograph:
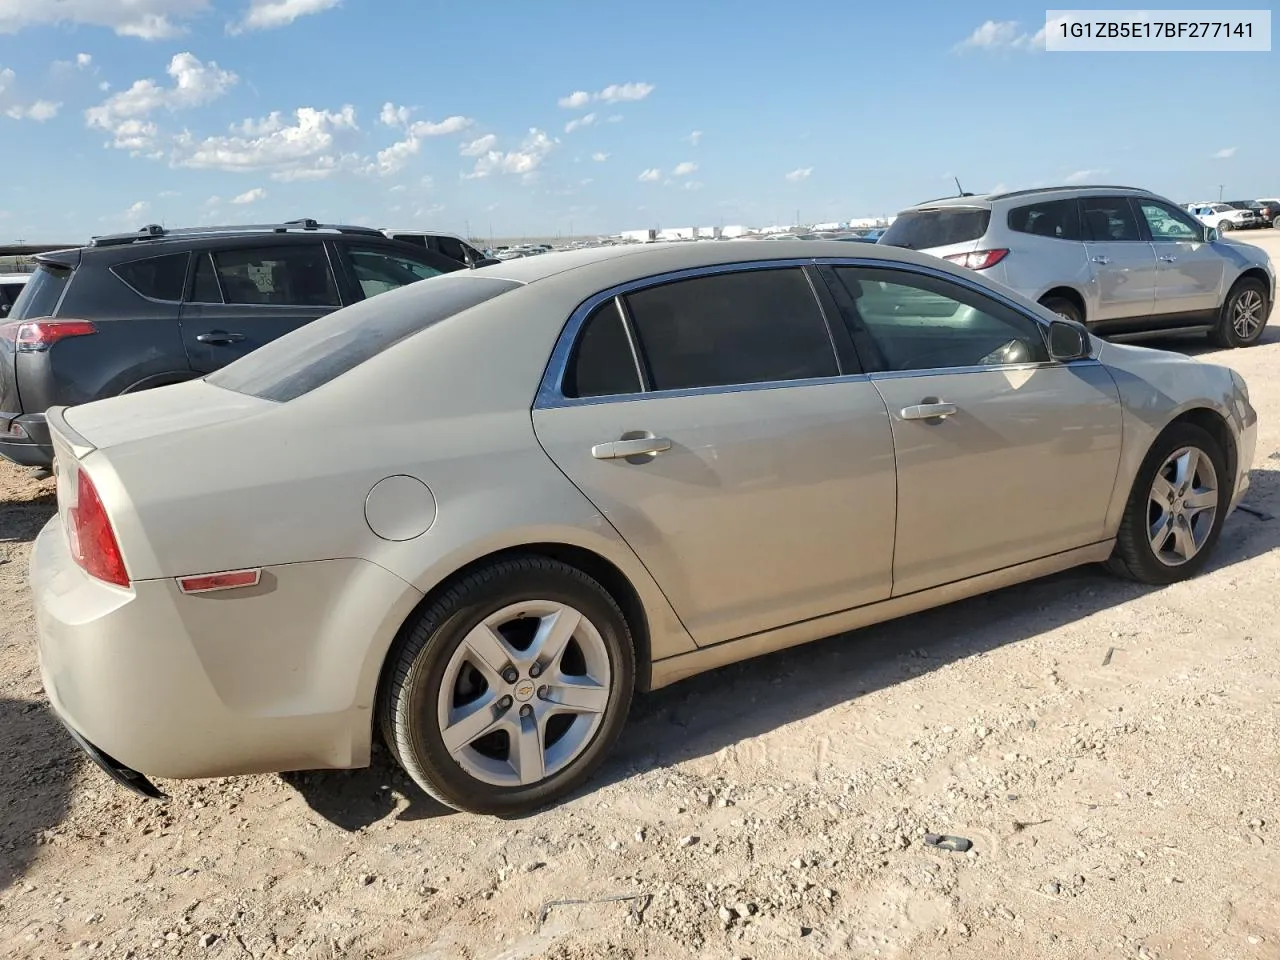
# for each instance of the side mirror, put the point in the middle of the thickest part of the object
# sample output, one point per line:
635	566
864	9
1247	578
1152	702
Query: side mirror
1068	341
1210	234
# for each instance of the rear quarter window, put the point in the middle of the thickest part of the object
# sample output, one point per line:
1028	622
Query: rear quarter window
938	227
160	278
312	355
1057	219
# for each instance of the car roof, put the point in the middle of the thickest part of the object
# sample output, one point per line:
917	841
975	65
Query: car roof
983	199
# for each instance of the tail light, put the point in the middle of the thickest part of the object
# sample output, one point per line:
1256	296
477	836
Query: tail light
93	542
979	259
35	336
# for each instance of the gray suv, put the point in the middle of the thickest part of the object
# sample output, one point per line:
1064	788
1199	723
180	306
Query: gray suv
1125	261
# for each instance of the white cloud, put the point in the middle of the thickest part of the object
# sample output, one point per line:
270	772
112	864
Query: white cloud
684	169
474	148
138	209
600	156
104	86
583	121
305	149
194	83
425	128
1002	35
250	196
168	194
393	116
800	173
83	60
614	118
396	157
524	161
1081	176
694	138
40	111
147	19
579	98
614	93
1226	153
270	14
650	175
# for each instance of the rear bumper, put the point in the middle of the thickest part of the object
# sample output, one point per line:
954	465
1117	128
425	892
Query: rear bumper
158	683
24	439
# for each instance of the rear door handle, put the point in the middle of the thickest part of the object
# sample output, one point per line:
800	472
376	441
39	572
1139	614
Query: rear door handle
1101	259
220	336
935	410
1168	259
639	447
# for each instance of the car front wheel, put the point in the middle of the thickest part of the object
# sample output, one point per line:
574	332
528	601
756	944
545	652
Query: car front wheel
507	693
1063	308
1225	225
1243	316
1175	509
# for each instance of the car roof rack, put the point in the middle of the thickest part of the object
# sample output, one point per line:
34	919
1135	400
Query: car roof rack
154	231
1068	186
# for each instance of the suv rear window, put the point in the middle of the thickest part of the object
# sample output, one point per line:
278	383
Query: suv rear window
1059	219
39	298
160	278
939	227
311	356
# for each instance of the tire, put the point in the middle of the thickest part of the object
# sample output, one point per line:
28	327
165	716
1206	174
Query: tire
1225	226
1248	298
436	652
1135	557
1063	308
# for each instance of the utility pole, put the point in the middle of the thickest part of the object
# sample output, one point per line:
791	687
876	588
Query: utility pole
1219	193
468	234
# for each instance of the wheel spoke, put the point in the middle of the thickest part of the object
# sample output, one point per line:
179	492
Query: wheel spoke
1184	544
490	653
578	696
554	633
476	720
1159	533
1184	470
1201	500
526	756
1162	491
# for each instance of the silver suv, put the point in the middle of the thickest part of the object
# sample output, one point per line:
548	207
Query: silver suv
1125	261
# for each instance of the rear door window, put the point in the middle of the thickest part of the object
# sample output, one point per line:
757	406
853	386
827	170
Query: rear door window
157	278
293	276
39	298
938	227
1109	219
602	364
1056	219
451	247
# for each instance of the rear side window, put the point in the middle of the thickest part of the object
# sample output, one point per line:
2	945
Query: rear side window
159	278
756	326
39	298
205	288
378	270
452	248
602	364
1057	219
318	352
282	276
1108	219
939	227
415	238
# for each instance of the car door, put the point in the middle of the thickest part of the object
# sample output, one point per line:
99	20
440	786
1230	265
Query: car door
709	420
245	296
1003	456
1123	263
1189	272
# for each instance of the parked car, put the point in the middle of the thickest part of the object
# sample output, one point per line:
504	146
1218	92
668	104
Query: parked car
1269	210
1254	207
133	311
1126	262
1224	217
446	244
11	285
478	513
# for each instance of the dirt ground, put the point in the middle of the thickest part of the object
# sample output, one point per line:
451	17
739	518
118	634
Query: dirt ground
1112	752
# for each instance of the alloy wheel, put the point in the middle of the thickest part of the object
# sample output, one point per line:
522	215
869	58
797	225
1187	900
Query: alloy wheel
1182	506
1246	314
524	693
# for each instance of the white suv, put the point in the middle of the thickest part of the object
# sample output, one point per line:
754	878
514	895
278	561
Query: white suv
1124	261
1223	216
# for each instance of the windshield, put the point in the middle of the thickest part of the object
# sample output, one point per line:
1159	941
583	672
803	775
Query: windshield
324	349
40	296
939	227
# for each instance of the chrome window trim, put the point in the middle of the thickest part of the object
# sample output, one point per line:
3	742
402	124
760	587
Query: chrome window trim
624	317
550	390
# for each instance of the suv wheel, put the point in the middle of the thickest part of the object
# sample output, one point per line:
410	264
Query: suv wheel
1225	226
1243	316
1063	308
507	692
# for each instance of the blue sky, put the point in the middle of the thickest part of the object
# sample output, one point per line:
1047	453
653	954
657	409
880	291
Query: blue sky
587	117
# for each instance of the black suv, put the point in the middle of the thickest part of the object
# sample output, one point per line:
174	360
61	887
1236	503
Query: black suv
139	310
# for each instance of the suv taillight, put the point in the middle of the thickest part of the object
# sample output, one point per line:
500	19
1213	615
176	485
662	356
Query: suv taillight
35	336
979	259
93	542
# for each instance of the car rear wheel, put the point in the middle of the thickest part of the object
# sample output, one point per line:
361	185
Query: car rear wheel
507	692
1243	316
1225	225
1063	308
1175	510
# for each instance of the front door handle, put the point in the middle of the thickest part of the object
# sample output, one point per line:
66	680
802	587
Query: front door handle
639	447
1101	259
931	410
220	336
1168	259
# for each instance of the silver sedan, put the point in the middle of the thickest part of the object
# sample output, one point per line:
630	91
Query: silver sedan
478	514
